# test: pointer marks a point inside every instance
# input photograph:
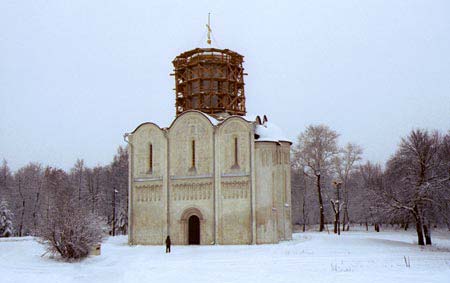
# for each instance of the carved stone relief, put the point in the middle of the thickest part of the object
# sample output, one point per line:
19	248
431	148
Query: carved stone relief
235	189
148	193
192	191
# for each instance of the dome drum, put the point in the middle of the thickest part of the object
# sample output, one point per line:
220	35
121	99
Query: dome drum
210	80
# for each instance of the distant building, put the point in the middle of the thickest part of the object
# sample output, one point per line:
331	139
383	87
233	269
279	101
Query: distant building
214	176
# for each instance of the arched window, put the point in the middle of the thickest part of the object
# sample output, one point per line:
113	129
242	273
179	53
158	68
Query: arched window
236	151
150	158
236	154
193	154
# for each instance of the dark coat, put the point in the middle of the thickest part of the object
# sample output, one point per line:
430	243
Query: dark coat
168	243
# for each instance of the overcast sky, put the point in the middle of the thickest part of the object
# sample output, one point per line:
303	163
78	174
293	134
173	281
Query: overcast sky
76	75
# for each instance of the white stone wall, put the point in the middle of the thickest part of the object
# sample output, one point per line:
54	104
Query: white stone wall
241	201
234	188
191	183
148	189
273	192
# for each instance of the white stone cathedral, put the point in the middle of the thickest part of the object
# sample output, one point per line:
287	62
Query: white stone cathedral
214	176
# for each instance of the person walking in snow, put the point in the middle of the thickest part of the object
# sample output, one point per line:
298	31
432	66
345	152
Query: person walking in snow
168	244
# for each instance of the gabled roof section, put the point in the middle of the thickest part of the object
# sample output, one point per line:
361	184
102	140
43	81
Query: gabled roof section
145	123
212	120
265	131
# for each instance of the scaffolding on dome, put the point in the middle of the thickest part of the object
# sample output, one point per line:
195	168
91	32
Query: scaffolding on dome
209	80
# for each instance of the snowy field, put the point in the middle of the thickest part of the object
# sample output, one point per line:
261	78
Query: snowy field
310	257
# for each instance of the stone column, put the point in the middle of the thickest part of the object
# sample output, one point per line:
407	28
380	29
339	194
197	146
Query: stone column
166	184
216	183
130	190
252	185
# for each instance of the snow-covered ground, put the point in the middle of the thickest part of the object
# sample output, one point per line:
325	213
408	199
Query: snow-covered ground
310	257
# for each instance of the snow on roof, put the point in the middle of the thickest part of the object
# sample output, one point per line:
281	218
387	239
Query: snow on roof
250	117
270	132
267	131
213	120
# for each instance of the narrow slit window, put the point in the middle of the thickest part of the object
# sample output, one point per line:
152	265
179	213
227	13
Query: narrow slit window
193	153
150	158
236	152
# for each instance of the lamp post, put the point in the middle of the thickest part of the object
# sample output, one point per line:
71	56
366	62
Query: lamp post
114	212
337	207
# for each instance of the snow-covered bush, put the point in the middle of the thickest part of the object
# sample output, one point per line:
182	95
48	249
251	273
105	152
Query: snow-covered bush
71	233
6	216
69	228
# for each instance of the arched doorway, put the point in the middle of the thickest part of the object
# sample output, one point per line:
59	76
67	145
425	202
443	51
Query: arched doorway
194	230
192	223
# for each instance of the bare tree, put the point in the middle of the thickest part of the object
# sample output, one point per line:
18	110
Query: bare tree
6	180
28	182
300	183
30	194
345	164
442	193
78	172
94	184
118	190
316	149
411	180
337	206
370	202
304	178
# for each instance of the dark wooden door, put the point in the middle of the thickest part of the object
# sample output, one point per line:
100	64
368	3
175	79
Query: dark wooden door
194	230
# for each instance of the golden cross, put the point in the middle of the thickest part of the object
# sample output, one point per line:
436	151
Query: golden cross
208	26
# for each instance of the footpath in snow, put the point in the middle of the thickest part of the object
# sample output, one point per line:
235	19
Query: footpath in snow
309	257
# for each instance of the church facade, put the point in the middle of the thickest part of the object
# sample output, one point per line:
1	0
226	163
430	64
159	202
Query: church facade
214	176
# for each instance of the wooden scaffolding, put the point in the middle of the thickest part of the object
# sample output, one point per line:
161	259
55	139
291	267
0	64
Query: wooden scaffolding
209	80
